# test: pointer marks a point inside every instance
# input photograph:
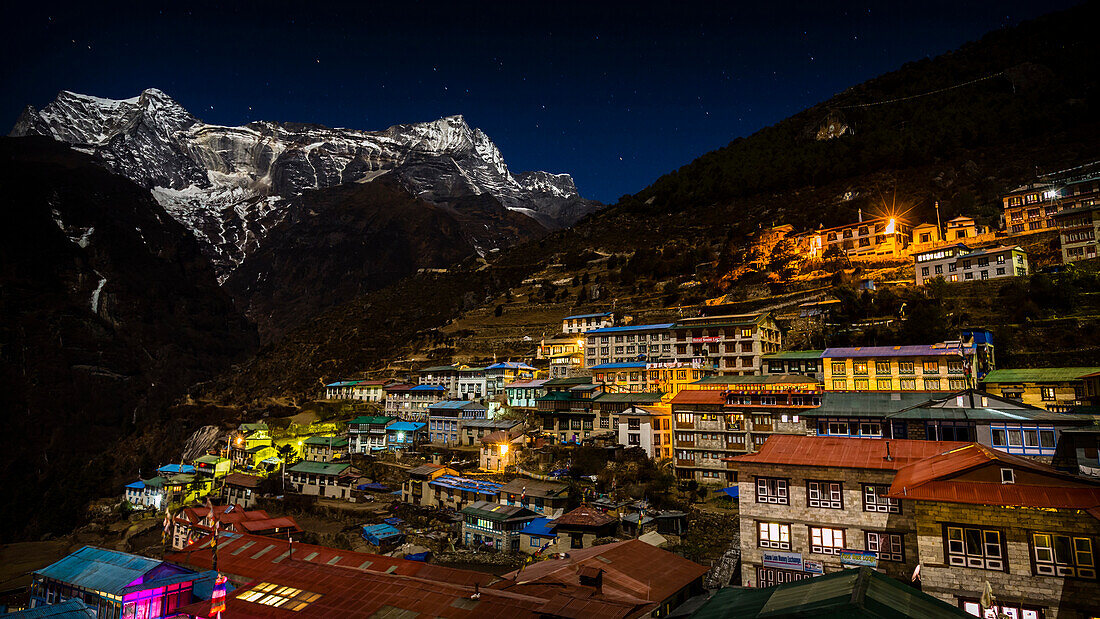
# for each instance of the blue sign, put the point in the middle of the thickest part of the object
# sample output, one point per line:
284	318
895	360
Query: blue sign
813	567
859	558
783	560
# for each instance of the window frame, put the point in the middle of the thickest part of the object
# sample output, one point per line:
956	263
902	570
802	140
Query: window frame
967	560
824	489
892	506
898	557
781	497
1062	570
821	548
775	545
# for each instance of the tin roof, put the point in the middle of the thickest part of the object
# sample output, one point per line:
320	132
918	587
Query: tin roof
503	424
645	397
936	478
599	315
539	527
509	365
320	468
855	453
535	488
343	383
495	511
429	388
99	569
699	396
917	350
176	468
465	483
617	366
764	379
584	516
526	384
855	593
240	479
405	426
69	609
1039	375
455	405
652	327
327	441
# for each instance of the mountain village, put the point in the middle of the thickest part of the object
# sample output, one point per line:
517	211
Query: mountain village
672	469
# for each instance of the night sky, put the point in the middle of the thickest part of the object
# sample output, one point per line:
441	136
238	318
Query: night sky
616	96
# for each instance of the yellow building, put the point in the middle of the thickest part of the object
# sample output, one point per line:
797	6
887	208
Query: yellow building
881	237
945	366
638	377
1055	389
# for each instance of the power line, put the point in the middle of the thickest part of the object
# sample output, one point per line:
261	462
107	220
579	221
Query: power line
923	94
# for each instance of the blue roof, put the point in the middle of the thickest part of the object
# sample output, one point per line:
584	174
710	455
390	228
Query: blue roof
380	532
464	483
663	325
99	569
344	383
453	404
404	426
515	365
732	491
68	609
429	388
587	316
176	468
618	366
539	527
137	485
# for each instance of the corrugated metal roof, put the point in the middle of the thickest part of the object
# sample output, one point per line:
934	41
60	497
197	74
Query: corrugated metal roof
621	365
465	483
320	468
600	315
539	527
794	354
647	397
371	420
456	404
584	516
496	511
99	569
328	441
918	350
429	388
405	426
764	379
534	488
69	609
829	451
509	365
503	424
1038	375
653	327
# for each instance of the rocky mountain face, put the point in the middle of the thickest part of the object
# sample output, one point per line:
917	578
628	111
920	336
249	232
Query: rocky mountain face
109	312
232	185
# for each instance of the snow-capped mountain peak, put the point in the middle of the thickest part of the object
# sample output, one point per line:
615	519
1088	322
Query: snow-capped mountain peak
230	184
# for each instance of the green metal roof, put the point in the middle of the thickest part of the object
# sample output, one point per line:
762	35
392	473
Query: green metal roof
794	354
210	459
866	404
847	594
496	511
371	419
328	441
569	380
1038	375
987	414
320	468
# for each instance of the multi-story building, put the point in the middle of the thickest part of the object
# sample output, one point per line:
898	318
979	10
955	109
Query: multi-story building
500	374
881	237
402	435
493	525
548	498
241	489
471	431
340	390
946	366
559	344
925	236
985	517
398	402
727	416
582	323
192	524
323	479
1055	389
971	416
421	399
813	505
958	263
324	448
445	376
648	429
732	345
446	418
1079	232
802	362
627	344
452	492
369	390
567	364
568	410
962	227
524	394
245	442
368	433
472	383
500	449
415	490
1034	207
667	377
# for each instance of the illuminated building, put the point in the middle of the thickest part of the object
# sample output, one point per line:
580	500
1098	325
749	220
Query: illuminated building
731	344
582	323
881	237
1079	232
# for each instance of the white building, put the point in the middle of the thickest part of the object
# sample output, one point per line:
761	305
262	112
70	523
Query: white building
582	323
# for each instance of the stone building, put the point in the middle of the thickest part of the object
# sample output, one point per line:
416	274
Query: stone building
1055	389
983	516
807	502
581	527
731	344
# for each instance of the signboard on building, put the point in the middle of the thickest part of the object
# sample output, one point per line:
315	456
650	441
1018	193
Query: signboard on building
783	560
706	339
858	558
813	567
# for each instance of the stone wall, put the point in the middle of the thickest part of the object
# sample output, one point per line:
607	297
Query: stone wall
1061	598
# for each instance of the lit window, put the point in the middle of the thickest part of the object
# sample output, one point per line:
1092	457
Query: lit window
774	535
826	541
1063	555
287	598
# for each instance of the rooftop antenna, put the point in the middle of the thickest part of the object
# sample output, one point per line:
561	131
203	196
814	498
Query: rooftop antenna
889	458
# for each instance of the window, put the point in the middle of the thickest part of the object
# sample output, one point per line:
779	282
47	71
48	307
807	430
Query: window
861	384
826	541
882	368
875	501
838	367
1008	476
973	607
906	367
931	384
772	490
633	424
824	494
870	429
1047	393
774	535
924	271
931	367
883	384
1000	270
859	368
974	547
889	546
771	576
287	598
908	384
1063	555
840	385
837	428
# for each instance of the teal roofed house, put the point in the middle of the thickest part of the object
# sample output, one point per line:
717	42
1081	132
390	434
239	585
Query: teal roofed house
368	433
804	362
324	479
405	435
324	448
146	494
115	584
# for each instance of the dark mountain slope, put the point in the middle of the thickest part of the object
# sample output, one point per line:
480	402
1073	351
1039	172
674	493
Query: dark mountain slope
962	147
108	312
343	241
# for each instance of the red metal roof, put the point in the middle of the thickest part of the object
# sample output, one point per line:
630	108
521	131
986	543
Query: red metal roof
699	396
857	453
935	479
251	556
633	572
243	480
585	516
